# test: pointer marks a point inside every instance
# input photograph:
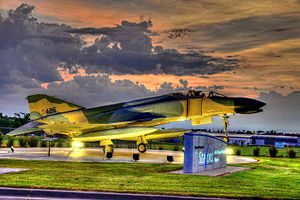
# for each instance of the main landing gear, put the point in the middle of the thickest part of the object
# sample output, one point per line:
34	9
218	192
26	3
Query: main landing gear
108	148
142	148
225	123
142	144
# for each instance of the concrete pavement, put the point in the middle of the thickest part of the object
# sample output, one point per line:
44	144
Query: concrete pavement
97	155
27	193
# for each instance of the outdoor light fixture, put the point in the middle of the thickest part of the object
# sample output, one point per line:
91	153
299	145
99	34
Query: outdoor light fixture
109	155
182	119
229	151
136	156
170	159
76	144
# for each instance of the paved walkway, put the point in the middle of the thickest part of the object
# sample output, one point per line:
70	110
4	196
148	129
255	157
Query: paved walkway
26	193
96	155
10	170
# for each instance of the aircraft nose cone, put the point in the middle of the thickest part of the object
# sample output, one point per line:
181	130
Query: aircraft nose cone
246	105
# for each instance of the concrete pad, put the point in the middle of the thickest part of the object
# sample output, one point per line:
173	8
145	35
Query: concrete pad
97	155
215	172
239	159
11	170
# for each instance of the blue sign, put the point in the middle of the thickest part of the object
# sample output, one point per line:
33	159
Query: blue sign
203	152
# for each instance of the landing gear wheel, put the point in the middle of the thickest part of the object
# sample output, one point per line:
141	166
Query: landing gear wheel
226	139
109	148
142	148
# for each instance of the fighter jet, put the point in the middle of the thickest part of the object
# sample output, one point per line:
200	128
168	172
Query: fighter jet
134	120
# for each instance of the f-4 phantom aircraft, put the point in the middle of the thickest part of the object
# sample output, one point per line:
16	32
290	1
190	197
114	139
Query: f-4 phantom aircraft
134	120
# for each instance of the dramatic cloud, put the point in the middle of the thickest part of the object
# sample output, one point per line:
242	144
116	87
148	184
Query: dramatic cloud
97	90
127	48
100	90
244	33
31	52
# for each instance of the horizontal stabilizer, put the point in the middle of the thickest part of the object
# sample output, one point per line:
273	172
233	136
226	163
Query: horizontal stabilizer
30	127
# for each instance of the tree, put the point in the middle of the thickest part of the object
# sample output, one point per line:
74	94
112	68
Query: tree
16	121
1	139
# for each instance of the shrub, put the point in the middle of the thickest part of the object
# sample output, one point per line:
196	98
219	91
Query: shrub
59	144
176	147
256	151
291	153
22	141
33	141
44	143
273	151
1	139
68	144
10	141
52	144
238	152
160	147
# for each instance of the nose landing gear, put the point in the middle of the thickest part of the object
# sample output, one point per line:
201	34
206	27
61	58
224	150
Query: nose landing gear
142	144
108	148
142	148
225	123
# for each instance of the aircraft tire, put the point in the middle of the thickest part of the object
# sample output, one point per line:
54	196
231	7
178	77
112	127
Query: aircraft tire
142	148
226	139
109	147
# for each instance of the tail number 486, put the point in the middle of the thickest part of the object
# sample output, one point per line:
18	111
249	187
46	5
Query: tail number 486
50	110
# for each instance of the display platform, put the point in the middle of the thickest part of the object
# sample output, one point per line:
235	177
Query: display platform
97	155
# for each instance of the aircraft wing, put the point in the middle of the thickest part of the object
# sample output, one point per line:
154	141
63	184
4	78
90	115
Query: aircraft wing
30	127
162	134
74	129
62	128
115	134
98	132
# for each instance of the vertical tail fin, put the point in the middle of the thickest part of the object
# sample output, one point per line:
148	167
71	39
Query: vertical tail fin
42	105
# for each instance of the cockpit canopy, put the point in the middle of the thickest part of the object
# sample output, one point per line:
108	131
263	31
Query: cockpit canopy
198	93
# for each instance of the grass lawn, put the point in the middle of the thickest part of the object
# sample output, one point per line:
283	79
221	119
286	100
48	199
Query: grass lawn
270	178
